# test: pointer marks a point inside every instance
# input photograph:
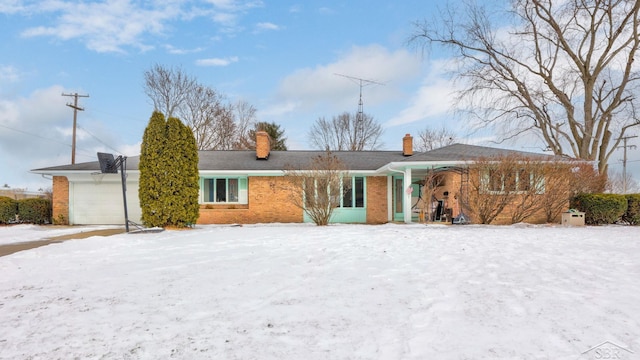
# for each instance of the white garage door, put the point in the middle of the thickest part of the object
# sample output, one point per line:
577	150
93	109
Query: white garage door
100	203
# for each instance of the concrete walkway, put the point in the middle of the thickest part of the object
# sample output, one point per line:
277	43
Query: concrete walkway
14	248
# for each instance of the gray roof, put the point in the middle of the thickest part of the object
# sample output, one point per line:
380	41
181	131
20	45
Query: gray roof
245	160
462	152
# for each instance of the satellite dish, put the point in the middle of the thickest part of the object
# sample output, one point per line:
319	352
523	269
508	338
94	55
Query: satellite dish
107	163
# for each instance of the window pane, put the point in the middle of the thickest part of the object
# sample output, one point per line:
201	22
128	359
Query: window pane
221	190
359	191
347	197
233	190
399	193
524	180
495	180
208	190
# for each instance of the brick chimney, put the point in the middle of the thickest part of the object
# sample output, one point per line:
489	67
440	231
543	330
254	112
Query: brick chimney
263	145
407	145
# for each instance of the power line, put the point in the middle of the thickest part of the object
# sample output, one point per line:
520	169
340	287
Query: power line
75	108
99	140
88	153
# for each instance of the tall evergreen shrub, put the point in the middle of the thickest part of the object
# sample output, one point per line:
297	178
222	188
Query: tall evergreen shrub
181	159
169	178
152	171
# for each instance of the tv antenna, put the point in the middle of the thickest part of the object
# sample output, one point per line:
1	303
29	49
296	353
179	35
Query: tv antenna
362	82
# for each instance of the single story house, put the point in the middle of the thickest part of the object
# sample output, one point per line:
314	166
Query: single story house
242	186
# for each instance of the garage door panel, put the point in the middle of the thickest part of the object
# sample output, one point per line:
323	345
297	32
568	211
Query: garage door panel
102	203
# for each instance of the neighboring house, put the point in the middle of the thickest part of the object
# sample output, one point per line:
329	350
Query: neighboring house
239	186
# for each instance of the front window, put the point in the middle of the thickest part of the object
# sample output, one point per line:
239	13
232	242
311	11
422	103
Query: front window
517	181
224	190
353	192
350	195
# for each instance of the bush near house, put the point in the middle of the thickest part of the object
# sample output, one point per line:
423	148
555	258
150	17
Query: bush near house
632	215
600	209
34	211
169	178
8	210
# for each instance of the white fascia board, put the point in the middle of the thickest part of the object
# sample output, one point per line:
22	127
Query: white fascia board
401	166
241	172
270	172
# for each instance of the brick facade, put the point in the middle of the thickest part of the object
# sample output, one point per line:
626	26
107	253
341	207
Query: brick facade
60	201
268	203
377	200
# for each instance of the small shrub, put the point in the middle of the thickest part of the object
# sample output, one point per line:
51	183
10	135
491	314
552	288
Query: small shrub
8	210
600	209
632	215
34	211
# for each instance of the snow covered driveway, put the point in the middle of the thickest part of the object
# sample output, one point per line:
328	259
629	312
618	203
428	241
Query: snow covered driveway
337	292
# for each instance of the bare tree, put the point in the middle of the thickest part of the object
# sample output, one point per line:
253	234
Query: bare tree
346	132
216	124
529	187
210	119
318	189
616	183
430	139
564	70
168	88
430	184
493	185
245	115
558	184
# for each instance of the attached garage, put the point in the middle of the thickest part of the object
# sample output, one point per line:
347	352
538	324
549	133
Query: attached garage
100	201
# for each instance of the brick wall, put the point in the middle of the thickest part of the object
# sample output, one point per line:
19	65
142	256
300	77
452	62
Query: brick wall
60	201
377	200
268	203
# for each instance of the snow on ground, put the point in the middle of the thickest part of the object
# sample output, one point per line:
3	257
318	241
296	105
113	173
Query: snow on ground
339	292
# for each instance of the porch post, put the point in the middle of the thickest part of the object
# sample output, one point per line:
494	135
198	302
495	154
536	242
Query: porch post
390	204
406	208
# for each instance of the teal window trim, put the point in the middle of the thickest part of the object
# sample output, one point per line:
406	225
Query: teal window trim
353	192
354	195
223	190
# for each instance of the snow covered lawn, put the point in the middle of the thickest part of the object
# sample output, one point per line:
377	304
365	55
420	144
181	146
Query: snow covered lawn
338	292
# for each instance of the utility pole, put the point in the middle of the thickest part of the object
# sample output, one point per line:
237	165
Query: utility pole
75	108
624	161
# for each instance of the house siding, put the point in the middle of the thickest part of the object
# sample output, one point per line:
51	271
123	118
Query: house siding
267	203
60	202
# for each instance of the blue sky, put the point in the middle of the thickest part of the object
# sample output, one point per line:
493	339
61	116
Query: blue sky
280	56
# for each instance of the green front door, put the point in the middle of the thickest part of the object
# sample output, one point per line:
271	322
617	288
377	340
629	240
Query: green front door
398	192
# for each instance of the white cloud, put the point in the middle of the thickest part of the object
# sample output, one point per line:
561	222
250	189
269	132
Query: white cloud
295	8
264	26
310	87
113	26
434	97
217	61
8	74
176	51
107	27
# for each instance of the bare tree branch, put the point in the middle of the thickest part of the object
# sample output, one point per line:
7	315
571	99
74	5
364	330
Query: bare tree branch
346	132
563	70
